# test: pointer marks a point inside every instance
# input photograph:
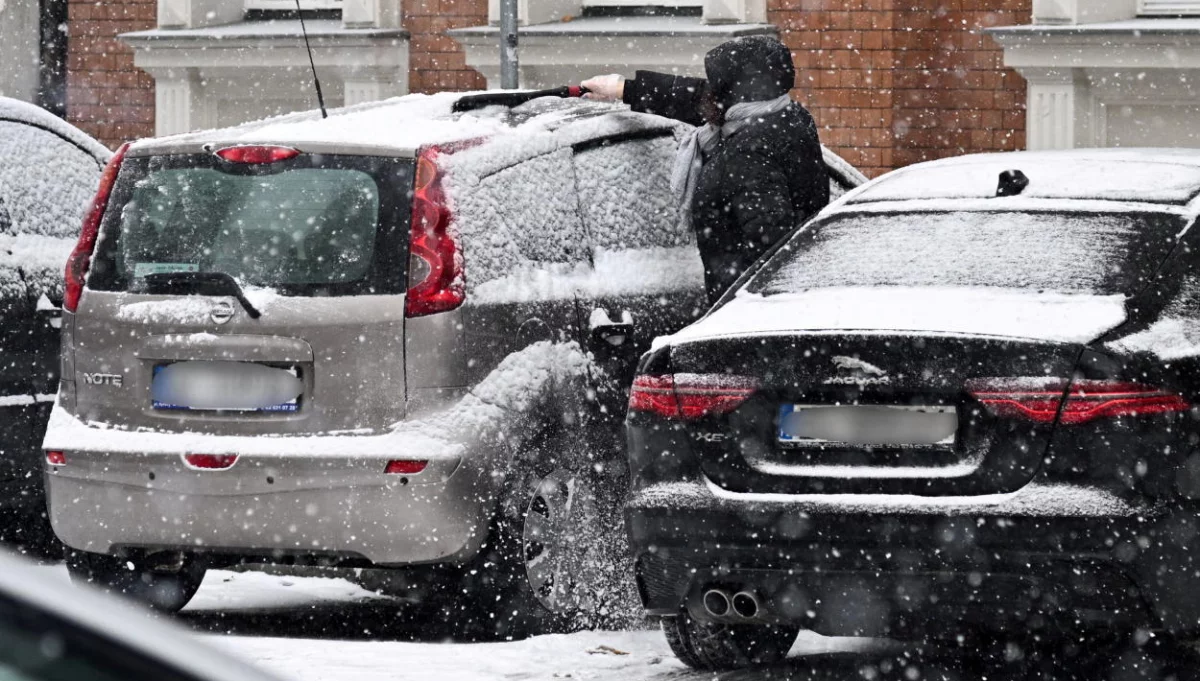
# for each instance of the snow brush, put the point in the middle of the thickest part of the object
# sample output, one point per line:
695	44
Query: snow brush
510	99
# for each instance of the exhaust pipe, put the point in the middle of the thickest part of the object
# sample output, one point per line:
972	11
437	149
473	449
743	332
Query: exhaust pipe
746	605
716	603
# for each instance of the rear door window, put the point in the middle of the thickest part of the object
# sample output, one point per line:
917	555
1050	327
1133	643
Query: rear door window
313	225
1097	253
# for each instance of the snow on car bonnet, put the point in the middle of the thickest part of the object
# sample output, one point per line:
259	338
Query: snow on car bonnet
1151	177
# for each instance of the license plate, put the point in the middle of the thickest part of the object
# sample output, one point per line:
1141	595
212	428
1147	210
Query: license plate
221	387
866	425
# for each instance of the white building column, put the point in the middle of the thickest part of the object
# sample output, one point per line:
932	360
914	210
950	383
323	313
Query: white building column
1059	109
180	105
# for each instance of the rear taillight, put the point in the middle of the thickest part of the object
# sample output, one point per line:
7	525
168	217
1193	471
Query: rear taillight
255	153
443	287
1037	399
56	458
81	256
690	396
405	466
210	462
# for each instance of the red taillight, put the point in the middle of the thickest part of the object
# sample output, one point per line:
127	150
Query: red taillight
210	462
55	458
1087	400
431	240
405	466
690	396
257	153
81	255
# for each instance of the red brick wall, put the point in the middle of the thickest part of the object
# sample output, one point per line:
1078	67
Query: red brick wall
436	62
106	95
895	82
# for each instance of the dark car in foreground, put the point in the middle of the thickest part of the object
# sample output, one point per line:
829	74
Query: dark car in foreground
958	406
51	631
48	173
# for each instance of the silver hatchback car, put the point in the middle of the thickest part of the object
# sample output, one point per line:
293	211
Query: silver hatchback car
394	338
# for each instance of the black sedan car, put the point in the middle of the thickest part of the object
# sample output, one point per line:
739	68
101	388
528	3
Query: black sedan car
960	405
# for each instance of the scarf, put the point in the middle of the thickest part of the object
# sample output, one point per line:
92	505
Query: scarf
703	140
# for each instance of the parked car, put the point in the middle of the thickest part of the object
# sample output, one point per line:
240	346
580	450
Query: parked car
959	406
51	631
48	172
395	337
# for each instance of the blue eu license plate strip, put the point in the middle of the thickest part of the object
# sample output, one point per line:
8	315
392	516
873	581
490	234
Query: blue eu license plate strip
286	407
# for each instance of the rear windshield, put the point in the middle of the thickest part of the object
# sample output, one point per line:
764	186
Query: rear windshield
1065	252
312	225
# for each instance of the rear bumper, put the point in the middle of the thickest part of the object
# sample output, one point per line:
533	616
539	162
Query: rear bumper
283	497
875	564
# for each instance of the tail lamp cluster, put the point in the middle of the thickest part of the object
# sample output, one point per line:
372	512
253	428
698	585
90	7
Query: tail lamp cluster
81	255
432	240
688	397
1037	400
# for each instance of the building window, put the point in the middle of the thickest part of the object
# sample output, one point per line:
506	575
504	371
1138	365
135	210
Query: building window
1168	7
290	5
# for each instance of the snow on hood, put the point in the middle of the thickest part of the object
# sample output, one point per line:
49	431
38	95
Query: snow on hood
1057	317
502	404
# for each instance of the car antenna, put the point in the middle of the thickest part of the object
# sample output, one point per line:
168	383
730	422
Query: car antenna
311	65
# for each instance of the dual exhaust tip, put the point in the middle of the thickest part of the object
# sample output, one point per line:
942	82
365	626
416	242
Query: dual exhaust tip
721	603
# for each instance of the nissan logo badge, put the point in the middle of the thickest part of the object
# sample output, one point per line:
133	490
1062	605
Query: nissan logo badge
222	311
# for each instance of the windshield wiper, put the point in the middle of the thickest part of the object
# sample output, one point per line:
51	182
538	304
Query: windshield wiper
199	283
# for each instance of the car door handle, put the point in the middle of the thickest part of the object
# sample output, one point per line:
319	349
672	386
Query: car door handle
603	330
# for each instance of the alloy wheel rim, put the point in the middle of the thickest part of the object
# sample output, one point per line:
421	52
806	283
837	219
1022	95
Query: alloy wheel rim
550	543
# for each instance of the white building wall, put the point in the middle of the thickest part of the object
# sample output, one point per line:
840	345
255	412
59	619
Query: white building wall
19	49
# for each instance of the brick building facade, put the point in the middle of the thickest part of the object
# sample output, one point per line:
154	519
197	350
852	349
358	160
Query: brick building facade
891	82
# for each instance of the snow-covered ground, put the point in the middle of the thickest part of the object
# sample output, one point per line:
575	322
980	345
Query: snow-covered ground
330	629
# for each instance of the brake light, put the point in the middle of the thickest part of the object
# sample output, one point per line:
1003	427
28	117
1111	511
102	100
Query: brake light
690	396
1087	400
56	458
81	256
210	462
257	153
405	467
431	240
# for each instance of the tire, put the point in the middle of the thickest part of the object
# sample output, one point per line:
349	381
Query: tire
163	591
720	647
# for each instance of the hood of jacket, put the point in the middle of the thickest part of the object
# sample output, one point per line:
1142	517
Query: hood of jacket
749	69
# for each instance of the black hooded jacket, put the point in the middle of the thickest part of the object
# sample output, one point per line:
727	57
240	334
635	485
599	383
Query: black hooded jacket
758	184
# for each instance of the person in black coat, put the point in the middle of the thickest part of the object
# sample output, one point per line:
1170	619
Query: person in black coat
755	171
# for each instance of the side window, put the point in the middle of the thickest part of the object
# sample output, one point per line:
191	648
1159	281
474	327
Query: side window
625	194
521	232
639	244
47	181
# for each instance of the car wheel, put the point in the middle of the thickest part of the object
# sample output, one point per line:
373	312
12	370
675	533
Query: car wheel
167	591
531	577
712	646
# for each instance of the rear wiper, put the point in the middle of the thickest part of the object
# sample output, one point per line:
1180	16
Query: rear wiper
199	283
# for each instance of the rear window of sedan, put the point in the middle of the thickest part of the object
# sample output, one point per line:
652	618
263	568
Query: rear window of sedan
1100	253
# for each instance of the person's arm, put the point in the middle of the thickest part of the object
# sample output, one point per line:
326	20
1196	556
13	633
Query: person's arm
678	97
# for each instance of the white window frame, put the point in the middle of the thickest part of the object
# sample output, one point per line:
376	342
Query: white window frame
1169	7
290	5
643	3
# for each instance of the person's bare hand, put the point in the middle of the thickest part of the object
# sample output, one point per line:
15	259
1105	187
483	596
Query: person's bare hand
605	88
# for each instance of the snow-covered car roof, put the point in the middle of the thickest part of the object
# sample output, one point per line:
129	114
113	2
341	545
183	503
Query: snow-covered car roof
402	125
1169	177
23	112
